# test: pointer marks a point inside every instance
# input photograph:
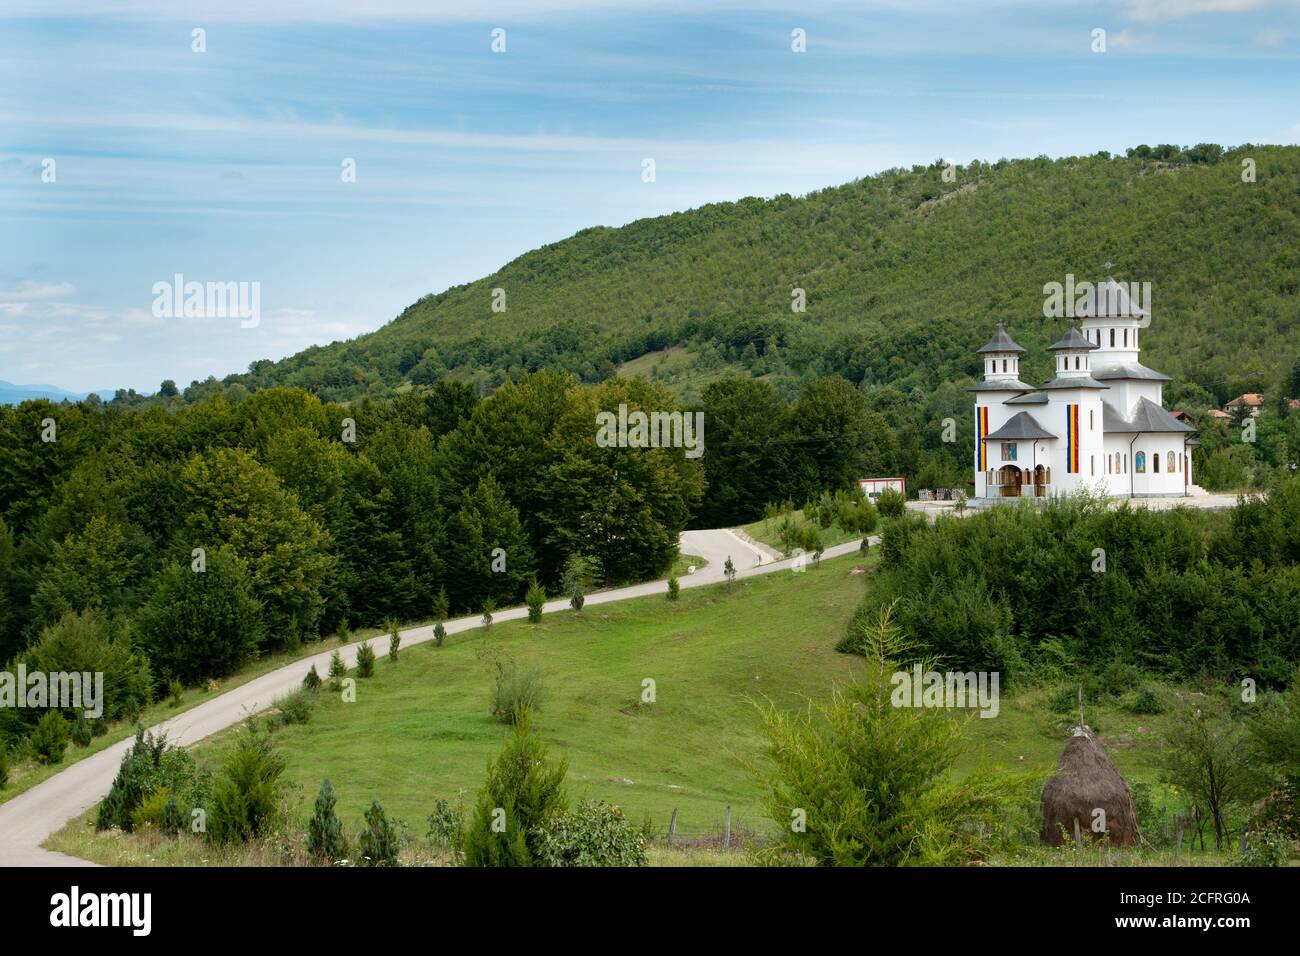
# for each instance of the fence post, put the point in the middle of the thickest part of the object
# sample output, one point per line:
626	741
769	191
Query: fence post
1178	826
726	839
672	827
1078	837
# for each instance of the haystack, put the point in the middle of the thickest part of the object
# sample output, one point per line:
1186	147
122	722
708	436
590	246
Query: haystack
1086	780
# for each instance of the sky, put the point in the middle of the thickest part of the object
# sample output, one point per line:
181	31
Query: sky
128	157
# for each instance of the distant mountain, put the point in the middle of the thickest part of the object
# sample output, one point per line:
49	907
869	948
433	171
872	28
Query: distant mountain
11	394
905	274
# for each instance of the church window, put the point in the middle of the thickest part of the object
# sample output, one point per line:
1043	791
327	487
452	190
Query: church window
1126	338
1092	465
1076	363
1140	463
1091	424
1118	466
1004	365
1155	463
1112	338
1169	462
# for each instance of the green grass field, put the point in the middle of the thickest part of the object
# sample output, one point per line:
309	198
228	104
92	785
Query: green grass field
420	729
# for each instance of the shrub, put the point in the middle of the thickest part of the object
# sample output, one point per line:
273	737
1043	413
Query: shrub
593	834
1265	848
365	660
394	639
536	600
50	738
516	692
1064	701
325	840
489	605
149	766
246	794
578	573
380	840
4	764
891	503
439	634
522	790
175	690
344	633
441	605
311	681
149	814
81	731
337	669
674	587
1146	701
296	707
874	780
446	825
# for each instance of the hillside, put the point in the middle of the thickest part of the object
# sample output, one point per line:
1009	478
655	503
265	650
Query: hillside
905	275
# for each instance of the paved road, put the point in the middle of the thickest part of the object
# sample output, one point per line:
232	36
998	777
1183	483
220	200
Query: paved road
30	818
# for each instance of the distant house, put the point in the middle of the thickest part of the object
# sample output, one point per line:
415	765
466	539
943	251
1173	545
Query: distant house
1183	417
1219	416
1251	400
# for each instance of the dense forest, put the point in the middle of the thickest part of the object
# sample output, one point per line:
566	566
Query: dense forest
905	274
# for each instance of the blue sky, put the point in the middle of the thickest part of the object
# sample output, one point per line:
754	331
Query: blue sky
225	166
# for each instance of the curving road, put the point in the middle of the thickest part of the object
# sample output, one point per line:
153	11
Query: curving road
32	817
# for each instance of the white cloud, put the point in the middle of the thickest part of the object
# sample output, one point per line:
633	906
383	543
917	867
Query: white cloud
29	291
1269	36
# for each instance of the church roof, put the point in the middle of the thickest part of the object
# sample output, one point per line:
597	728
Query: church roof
1077	381
1130	370
1001	385
1073	340
1109	300
1147	417
1001	342
1018	427
1030	398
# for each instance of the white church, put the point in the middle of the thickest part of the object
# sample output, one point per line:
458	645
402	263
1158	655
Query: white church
1097	425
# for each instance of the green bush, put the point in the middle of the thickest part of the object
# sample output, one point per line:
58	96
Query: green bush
394	639
439	634
50	738
311	682
365	660
4	764
1265	848
337	669
149	766
81	730
381	840
536	600
246	793
149	814
446	825
674	587
872	784
489	607
88	642
593	834
1064	701
325	840
295	707
891	503
1147	701
515	692
175	691
522	790
344	633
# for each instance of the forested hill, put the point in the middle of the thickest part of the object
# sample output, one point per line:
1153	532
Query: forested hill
905	276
